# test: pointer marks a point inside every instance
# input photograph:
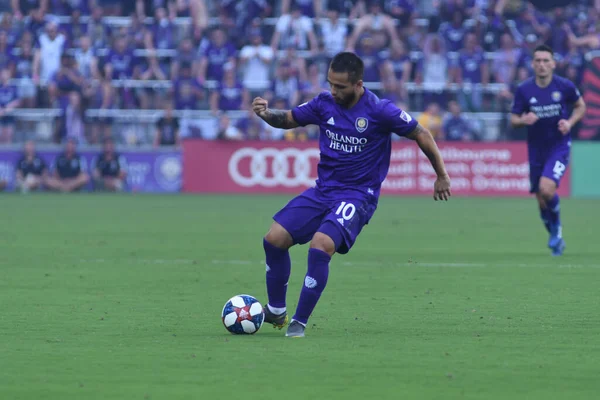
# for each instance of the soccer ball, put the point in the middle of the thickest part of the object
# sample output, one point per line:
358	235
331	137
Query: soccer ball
243	315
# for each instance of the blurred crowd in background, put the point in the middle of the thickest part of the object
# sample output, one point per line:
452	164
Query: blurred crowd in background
96	63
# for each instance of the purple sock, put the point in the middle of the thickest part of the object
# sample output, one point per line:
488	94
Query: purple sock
553	207
278	273
314	284
545	215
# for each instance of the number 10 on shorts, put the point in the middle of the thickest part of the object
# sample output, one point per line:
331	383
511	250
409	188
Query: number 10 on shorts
346	210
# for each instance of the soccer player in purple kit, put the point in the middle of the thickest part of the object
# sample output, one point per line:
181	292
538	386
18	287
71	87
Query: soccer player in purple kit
542	104
355	146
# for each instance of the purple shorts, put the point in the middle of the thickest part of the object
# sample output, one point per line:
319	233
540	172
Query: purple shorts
340	215
554	167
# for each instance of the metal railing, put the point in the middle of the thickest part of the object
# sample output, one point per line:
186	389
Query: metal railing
211	85
212	21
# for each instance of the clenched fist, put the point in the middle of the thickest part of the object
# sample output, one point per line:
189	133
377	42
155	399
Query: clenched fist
259	106
564	126
530	118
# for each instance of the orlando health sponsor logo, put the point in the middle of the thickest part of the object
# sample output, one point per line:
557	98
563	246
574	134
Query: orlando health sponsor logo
345	143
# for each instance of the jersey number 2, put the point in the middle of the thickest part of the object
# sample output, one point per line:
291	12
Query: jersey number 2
559	169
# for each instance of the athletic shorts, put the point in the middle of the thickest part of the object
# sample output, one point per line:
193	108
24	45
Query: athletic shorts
339	214
553	167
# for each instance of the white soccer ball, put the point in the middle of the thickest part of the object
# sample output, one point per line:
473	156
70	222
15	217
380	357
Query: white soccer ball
243	315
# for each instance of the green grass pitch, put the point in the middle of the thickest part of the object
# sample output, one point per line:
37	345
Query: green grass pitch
119	297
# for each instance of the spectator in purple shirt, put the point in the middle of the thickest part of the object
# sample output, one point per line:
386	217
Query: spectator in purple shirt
6	58
251	126
372	61
36	22
524	66
449	7
149	70
163	31
242	12
533	22
98	31
218	54
373	21
74	29
185	54
66	80
285	86
24	62
398	67
471	69
24	8
559	36
120	61
137	32
453	31
182	8
9	100
455	126
572	65
24	72
187	91
104	98
308	8
66	7
401	10
230	94
11	27
315	82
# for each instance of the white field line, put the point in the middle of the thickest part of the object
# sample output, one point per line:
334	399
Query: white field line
423	264
139	261
351	263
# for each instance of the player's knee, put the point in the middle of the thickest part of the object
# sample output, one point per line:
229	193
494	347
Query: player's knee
278	236
547	189
323	242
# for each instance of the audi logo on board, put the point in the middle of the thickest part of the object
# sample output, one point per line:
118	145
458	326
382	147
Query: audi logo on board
270	167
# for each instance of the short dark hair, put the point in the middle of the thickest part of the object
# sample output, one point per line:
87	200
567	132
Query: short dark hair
350	63
543	47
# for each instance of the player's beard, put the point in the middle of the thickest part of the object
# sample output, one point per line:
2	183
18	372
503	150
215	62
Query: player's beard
347	100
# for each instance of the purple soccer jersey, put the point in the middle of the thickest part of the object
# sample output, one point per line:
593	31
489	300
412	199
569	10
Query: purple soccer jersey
355	143
355	147
548	148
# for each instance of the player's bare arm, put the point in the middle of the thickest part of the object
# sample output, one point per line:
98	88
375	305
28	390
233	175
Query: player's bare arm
525	119
427	144
281	119
565	125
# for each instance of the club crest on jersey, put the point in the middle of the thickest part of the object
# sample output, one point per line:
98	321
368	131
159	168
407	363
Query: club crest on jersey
556	96
405	117
361	124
